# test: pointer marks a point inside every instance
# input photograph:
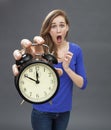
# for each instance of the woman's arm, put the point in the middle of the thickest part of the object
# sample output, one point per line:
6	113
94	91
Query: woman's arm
79	75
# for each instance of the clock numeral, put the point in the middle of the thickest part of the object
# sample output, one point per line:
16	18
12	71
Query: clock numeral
30	70
37	68
45	93
44	69
52	81
30	94
25	89
25	75
49	74
37	96
22	82
49	88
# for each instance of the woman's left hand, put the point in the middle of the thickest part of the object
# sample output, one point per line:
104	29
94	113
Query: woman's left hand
67	60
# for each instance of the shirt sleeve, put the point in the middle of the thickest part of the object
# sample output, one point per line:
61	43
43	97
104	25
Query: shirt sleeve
79	68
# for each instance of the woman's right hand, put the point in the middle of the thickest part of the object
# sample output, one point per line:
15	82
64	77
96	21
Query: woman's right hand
27	47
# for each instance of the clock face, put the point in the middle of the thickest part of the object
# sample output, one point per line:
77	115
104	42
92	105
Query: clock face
38	82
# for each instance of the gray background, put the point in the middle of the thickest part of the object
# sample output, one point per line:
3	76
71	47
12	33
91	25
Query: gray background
90	27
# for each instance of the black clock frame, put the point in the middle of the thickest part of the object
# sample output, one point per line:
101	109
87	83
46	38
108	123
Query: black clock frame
16	80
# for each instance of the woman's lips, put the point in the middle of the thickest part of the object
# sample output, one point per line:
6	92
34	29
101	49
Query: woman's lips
59	39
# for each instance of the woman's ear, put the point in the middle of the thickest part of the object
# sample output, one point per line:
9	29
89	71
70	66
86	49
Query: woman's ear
67	28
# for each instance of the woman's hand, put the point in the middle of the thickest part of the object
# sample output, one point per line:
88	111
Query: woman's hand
27	47
67	60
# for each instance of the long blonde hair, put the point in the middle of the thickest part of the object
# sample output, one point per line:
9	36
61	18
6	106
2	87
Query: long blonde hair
46	25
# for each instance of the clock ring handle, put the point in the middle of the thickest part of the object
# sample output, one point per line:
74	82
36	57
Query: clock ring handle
48	57
35	44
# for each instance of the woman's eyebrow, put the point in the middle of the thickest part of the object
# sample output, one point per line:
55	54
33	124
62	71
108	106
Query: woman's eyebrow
60	22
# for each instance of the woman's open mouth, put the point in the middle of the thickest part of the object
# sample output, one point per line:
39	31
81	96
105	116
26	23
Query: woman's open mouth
59	38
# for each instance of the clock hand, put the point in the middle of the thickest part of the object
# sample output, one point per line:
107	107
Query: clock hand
37	76
30	78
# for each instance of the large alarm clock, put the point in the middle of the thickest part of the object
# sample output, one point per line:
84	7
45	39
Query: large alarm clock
38	81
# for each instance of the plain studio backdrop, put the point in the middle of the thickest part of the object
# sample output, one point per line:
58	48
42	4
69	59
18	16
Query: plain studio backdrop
90	22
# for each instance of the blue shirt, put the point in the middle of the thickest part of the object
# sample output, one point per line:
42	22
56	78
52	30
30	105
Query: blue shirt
62	102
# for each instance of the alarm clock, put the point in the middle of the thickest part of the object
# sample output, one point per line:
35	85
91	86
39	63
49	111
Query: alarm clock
37	81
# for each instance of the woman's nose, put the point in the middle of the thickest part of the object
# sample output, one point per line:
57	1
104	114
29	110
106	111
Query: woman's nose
58	29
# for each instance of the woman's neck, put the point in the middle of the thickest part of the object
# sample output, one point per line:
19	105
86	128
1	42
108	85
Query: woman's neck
62	46
62	50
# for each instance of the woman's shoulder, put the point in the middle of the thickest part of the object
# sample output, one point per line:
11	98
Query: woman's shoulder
74	46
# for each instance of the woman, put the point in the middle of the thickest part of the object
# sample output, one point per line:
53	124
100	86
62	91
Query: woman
55	115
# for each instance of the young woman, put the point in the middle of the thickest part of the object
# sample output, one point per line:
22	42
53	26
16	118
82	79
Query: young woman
54	32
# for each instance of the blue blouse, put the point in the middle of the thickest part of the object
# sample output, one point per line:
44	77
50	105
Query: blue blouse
62	102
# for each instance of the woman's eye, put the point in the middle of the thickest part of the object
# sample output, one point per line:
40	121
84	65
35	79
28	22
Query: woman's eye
62	25
53	26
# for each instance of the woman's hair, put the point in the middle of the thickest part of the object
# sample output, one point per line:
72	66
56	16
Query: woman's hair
46	28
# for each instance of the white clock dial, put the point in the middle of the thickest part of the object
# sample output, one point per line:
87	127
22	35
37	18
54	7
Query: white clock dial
38	82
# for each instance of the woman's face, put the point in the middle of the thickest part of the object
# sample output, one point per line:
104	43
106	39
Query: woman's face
58	30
